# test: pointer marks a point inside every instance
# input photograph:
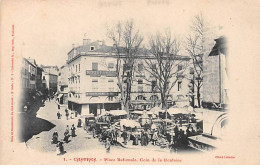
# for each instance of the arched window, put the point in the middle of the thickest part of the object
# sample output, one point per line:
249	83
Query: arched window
140	97
154	98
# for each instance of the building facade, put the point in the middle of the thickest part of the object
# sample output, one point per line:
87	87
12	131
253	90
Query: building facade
50	69
31	85
32	73
93	84
215	97
63	84
51	82
25	78
39	84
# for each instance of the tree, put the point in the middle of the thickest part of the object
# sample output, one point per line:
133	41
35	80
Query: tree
195	46
163	64
127	41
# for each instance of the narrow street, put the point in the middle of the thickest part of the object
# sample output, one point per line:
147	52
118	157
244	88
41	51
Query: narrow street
42	141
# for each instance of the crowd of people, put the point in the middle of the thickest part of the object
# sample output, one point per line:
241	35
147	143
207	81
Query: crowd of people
174	140
104	131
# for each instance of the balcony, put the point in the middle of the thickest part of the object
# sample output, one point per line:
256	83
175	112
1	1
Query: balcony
101	94
32	82
101	73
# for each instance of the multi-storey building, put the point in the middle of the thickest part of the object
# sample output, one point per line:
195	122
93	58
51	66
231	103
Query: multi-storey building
215	97
32	73
92	79
63	84
50	81
50	69
39	84
25	79
93	83
31	82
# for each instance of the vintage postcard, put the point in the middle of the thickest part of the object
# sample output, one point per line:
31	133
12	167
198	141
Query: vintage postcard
127	82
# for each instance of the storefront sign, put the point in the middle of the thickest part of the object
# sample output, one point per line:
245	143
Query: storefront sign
101	93
101	73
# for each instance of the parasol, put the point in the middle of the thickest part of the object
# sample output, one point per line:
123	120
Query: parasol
156	110
117	112
173	111
129	123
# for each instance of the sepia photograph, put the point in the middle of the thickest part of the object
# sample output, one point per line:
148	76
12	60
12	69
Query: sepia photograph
112	82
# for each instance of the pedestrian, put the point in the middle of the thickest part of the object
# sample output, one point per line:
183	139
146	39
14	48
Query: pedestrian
116	134
146	138
66	136
60	148
79	123
55	137
135	140
59	115
73	131
188	133
58	106
176	131
124	135
107	145
72	114
142	138
193	131
155	137
94	132
67	115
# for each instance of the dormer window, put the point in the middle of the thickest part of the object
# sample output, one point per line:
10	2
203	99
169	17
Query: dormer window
92	48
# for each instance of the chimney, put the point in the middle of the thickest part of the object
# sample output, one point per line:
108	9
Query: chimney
84	41
100	43
73	45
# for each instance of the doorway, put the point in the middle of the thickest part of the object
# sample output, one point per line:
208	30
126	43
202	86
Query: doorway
93	109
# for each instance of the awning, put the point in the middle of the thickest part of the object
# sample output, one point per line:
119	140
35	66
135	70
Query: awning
129	123
137	112
117	112
173	111
156	110
87	116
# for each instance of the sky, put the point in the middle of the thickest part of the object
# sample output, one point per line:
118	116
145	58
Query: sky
45	30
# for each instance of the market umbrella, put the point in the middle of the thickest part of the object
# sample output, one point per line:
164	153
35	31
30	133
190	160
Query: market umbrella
88	116
137	112
129	123
173	111
156	110
117	112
